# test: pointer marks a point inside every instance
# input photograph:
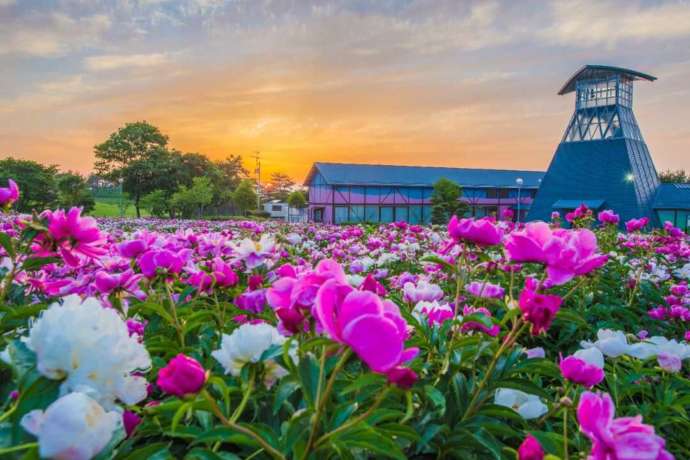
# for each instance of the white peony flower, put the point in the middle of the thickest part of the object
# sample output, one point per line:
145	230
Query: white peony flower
592	356
89	347
422	291
74	427
387	258
252	252
293	238
245	345
609	342
527	405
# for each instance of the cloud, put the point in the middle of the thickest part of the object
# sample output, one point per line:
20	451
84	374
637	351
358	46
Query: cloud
124	61
50	35
595	22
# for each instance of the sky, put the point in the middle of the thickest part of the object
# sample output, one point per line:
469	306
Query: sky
416	82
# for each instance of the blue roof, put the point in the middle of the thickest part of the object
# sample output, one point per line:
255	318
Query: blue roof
596	71
672	196
572	204
425	176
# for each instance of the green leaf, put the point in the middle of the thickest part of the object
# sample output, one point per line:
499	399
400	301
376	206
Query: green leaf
309	374
436	397
437	260
155	450
6	243
205	454
362	381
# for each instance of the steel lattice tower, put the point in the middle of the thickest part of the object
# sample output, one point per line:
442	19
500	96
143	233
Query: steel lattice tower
602	160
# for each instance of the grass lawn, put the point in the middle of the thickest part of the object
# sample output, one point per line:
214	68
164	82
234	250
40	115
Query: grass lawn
108	207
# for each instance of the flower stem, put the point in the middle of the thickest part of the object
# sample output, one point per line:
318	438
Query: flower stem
321	399
244	430
507	343
377	402
8	450
245	397
565	433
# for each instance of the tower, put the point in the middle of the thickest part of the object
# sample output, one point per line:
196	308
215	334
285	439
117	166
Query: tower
602	160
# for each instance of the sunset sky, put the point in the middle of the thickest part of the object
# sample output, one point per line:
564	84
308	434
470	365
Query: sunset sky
445	82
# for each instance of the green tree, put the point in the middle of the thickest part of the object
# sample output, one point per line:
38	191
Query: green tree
445	201
297	199
74	190
157	203
159	170
678	176
190	200
231	171
279	186
244	196
37	183
130	156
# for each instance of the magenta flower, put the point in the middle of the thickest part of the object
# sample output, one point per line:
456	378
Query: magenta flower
252	301
126	281
634	225
71	236
9	195
485	289
530	449
566	253
617	438
607	216
182	376
477	326
131	249
152	261
538	309
224	275
479	231
130	420
585	367
373	328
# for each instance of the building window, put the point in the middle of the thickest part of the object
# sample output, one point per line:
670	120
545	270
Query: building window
372	213
341	214
318	215
386	214
276	208
357	213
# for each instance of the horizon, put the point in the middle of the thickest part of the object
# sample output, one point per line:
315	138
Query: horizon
406	82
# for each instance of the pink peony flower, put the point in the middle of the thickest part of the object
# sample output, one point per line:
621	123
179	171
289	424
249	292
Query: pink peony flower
402	377
9	195
131	249
634	225
617	438
566	253
585	367
252	301
153	261
538	309
479	231
485	289
130	420
608	217
373	328
71	236
477	326
126	281
182	376
530	449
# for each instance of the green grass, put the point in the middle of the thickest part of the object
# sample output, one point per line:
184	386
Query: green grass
108	207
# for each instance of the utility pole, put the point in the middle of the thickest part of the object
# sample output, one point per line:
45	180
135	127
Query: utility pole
257	171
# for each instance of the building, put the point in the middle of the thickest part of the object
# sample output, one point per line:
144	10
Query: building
341	193
602	161
281	210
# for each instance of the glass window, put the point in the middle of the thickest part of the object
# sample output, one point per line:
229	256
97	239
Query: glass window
667	216
401	213
357	213
341	214
426	215
386	214
372	213
492	193
318	215
415	215
276	208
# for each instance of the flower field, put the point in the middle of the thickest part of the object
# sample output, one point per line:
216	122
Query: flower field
161	339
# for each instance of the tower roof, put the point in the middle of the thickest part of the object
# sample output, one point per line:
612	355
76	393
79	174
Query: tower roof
594	71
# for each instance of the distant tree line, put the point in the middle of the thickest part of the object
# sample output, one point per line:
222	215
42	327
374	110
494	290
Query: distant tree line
167	182
678	176
42	187
137	164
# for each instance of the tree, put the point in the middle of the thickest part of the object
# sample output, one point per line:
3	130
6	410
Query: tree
132	156
279	186
37	183
189	200
244	196
157	203
232	171
73	190
678	176
159	170
297	199
445	201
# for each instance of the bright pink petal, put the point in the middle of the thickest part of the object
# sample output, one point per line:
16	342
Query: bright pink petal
376	341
